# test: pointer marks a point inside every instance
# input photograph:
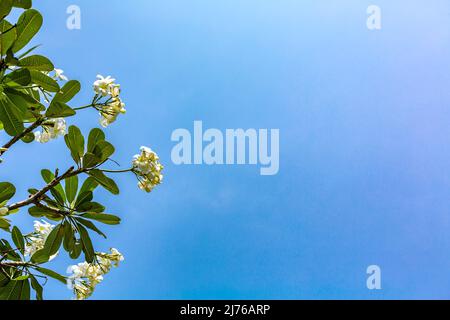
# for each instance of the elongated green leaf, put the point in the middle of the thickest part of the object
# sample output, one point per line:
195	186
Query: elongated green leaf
71	185
59	109
52	274
44	81
102	217
103	150
24	4
7	39
4	224
37	62
75	253
91	207
86	242
95	136
7	191
57	191
54	241
90	160
104	181
19	77
16	290
37	287
18	239
40	256
89	185
88	224
69	237
10	122
75	142
28	25
5	8
83	197
68	91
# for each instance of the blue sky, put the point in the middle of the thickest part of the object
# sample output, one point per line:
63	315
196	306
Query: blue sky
364	145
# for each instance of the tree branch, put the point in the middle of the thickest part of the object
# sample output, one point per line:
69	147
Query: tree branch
35	199
15	139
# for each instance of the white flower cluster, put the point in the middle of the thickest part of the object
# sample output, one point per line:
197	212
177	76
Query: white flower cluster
51	129
38	237
85	276
148	169
106	87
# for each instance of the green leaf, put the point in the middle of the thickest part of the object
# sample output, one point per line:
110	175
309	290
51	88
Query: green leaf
24	4
7	39
52	274
57	191
28	138
37	62
7	191
104	181
39	212
75	142
18	240
95	136
69	237
19	77
54	241
19	106
77	248
102	217
44	81
103	150
88	224
71	185
90	160
28	25
5	8
83	197
59	109
89	185
86	242
92	207
4	224
68	91
37	287
10	122
40	256
16	290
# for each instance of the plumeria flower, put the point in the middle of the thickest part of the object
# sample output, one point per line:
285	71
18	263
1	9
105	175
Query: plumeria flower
103	86
37	239
51	129
110	112
85	276
59	75
148	169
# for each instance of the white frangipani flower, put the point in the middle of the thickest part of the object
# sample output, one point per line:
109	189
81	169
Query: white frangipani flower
51	129
113	106
148	169
37	239
85	276
104	86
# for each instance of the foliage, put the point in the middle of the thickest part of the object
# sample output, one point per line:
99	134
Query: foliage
35	103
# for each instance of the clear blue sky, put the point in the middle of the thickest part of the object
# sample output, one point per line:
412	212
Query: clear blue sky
364	120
